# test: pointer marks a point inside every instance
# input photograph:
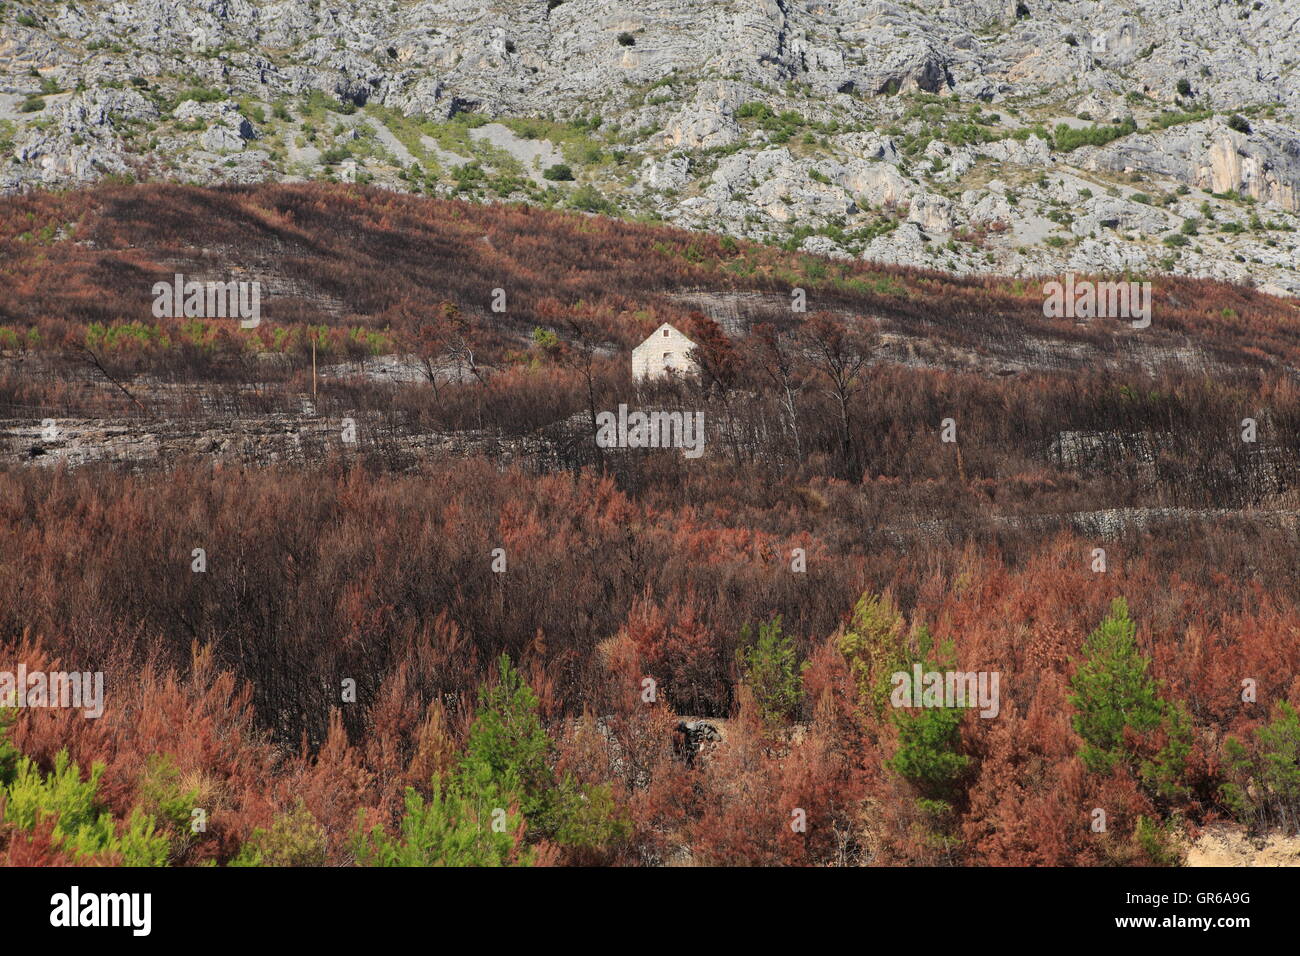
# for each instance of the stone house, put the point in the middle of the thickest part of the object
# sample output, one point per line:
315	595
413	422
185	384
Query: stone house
665	351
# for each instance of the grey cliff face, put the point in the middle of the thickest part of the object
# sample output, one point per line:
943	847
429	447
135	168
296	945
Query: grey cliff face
967	135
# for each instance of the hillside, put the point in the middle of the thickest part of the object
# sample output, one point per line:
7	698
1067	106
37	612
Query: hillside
973	136
309	594
353	256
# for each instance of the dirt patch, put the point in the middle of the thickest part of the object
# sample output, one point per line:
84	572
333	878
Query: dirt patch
1225	845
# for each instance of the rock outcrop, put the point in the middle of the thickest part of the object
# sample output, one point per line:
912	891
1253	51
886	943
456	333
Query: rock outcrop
857	128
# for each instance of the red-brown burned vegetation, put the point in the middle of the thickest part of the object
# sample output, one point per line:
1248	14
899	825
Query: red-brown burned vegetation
235	673
371	259
374	564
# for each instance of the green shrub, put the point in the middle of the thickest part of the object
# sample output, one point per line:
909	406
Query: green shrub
295	839
1263	789
589	819
81	824
1157	841
448	829
200	94
872	645
507	747
771	670
161	794
506	759
559	172
966	134
470	120
1038	129
588	199
928	753
1172	118
9	754
125	336
545	339
501	791
929	738
1067	138
129	335
18	338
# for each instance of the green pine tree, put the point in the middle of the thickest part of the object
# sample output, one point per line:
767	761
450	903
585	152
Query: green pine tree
929	739
451	828
1113	692
874	646
771	669
502	787
8	752
507	749
1263	788
81	824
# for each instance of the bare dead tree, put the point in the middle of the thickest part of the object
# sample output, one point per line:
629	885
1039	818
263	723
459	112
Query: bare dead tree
775	355
580	354
94	360
840	350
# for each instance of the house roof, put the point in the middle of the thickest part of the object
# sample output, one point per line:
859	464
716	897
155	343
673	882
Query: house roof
667	325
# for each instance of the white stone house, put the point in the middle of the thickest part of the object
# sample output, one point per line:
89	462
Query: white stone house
665	351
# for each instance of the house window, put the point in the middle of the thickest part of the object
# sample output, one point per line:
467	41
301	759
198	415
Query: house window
665	333
668	360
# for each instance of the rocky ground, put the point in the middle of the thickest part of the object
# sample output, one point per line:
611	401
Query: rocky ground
969	135
1227	845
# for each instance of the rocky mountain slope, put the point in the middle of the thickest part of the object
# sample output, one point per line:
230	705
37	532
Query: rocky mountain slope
968	135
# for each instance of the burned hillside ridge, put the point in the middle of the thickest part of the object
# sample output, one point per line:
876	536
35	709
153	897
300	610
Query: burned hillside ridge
321	249
312	588
398	294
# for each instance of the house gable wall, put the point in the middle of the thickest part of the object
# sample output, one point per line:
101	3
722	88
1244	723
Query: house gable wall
660	353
